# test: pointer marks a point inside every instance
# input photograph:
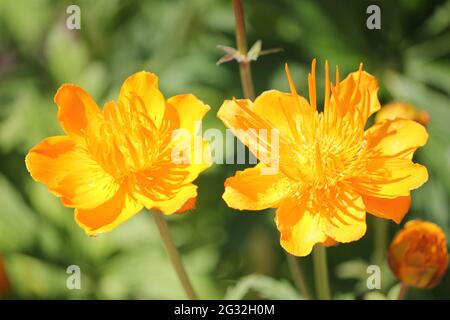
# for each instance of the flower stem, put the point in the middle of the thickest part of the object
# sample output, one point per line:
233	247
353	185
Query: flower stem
403	291
174	255
321	273
298	276
241	40
380	244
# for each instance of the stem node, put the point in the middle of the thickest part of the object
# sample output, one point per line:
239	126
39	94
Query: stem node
241	39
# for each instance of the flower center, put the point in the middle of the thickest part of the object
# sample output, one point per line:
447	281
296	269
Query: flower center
125	141
330	155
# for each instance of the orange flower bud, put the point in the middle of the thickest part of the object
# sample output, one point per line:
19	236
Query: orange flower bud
400	110
418	254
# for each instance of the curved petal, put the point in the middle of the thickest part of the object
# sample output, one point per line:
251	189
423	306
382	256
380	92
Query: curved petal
327	221
344	219
252	190
70	173
159	183
171	121
390	178
168	180
144	86
237	115
188	205
176	204
192	155
353	88
300	229
190	110
75	109
201	161
394	209
396	110
108	215
395	138
262	139
281	110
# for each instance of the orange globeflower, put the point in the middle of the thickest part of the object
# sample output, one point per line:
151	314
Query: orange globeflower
402	110
331	170
114	161
418	254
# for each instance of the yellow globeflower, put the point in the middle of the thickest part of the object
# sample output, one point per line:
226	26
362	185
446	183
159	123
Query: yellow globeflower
418	254
402	110
331	170
114	161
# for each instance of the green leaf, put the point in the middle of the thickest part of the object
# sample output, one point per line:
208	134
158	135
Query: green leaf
67	55
18	225
255	50
33	278
27	21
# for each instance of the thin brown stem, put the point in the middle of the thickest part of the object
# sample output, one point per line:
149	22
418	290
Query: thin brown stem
403	291
298	276
174	255
241	40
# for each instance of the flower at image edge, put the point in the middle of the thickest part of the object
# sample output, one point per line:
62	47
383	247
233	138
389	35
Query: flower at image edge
113	162
331	170
402	110
418	254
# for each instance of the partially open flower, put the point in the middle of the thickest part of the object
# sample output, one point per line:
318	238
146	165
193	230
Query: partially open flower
332	170
400	110
113	162
418	254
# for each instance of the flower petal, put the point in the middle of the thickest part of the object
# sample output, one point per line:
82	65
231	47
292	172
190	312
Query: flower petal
144	86
164	189
108	215
390	178
345	218
300	229
394	209
70	173
190	110
280	110
191	154
361	82
395	138
252	190
264	141
177	203
75	108
237	115
200	162
188	205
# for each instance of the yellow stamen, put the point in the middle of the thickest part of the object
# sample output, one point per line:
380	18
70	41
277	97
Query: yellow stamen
312	85
337	78
327	86
291	82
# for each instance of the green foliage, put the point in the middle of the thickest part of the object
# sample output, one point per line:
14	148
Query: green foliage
228	254
262	287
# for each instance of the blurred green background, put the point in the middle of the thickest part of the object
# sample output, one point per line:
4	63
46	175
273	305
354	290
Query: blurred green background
228	254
